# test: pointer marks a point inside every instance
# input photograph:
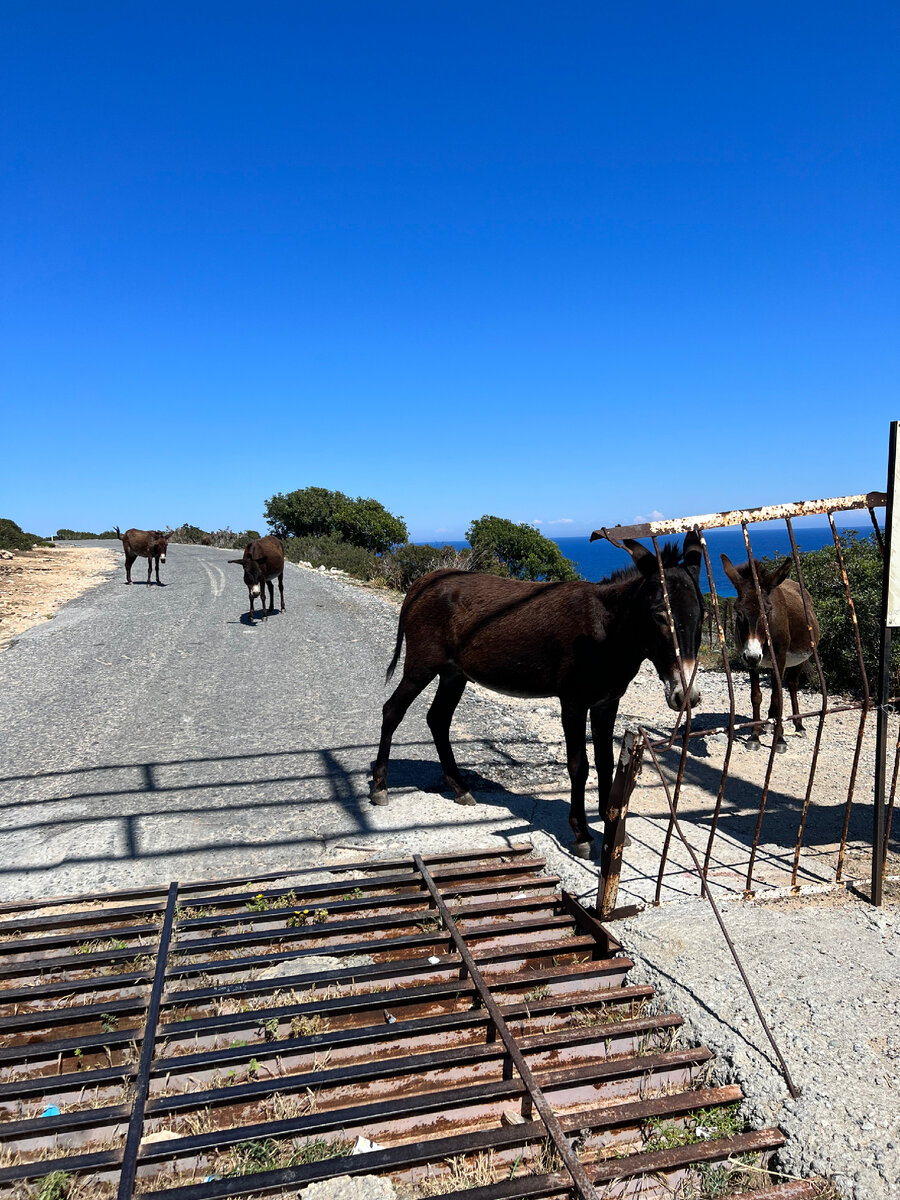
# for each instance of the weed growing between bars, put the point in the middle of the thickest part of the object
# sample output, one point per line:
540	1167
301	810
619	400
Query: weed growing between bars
247	1158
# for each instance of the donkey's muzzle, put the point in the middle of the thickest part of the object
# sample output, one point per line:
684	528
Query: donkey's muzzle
675	689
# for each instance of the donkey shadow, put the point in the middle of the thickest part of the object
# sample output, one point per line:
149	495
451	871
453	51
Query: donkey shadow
525	809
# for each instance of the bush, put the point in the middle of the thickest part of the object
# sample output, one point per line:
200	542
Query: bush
403	566
13	537
522	551
317	512
306	512
188	535
330	551
837	645
77	535
368	523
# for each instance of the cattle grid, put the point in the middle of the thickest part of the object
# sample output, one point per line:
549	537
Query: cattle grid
453	1022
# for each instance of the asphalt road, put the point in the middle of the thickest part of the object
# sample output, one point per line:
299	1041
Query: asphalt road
153	733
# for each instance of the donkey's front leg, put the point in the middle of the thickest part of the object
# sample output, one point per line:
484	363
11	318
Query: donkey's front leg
756	699
776	704
574	716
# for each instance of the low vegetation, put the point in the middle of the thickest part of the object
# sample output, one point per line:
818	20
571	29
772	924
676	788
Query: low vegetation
84	535
225	539
13	537
315	512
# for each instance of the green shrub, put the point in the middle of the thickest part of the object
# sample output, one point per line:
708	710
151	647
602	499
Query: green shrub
522	550
13	537
189	535
83	535
837	645
315	512
404	565
330	551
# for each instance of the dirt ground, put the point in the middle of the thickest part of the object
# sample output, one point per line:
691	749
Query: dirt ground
35	584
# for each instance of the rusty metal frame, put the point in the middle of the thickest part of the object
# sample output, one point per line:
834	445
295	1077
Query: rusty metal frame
498	951
683	733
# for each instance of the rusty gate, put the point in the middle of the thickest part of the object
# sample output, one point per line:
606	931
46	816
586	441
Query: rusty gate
733	795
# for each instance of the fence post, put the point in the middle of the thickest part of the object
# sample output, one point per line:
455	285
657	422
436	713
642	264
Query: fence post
627	770
890	619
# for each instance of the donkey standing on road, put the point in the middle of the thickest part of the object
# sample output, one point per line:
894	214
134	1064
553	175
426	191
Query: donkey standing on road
144	543
582	642
263	561
790	635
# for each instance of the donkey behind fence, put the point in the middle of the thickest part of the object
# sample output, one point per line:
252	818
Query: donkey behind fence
788	646
582	642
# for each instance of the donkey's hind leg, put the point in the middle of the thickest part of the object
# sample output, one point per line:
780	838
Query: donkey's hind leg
792	680
392	714
440	715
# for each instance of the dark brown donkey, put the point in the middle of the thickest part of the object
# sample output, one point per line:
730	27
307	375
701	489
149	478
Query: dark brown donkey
263	561
144	543
790	636
582	642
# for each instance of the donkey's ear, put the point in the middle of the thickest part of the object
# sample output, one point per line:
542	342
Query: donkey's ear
643	559
732	572
779	575
239	561
691	554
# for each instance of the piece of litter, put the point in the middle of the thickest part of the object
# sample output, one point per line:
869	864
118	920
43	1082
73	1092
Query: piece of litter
390	1018
50	1111
434	959
511	1117
364	1146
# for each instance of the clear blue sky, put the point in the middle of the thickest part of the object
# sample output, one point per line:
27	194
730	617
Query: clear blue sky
569	262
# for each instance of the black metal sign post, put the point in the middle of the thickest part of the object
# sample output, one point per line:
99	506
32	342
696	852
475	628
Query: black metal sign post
890	612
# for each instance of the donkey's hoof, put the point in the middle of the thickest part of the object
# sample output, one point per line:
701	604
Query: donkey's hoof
801	732
752	743
380	797
465	798
583	849
781	746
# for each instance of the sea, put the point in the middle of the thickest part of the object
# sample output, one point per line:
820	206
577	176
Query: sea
769	539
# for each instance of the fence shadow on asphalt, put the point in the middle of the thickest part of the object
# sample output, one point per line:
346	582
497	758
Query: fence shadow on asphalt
254	787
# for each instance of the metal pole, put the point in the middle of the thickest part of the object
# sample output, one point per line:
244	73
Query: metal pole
890	602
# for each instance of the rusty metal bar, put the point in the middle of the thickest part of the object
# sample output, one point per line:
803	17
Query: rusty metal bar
884	681
148	1048
715	908
685	711
823	691
627	771
732	714
741	516
779	724
576	1170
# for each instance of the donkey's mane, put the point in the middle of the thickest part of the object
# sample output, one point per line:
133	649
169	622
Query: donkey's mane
671	557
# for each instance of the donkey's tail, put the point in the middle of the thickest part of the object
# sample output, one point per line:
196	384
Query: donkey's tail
393	664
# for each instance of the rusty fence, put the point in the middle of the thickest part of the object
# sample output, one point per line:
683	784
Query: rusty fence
736	794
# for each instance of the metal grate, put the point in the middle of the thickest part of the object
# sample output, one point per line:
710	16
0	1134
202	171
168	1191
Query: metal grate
469	1018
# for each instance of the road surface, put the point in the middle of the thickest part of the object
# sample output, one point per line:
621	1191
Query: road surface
153	733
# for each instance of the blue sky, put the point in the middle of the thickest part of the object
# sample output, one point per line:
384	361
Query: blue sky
572	263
